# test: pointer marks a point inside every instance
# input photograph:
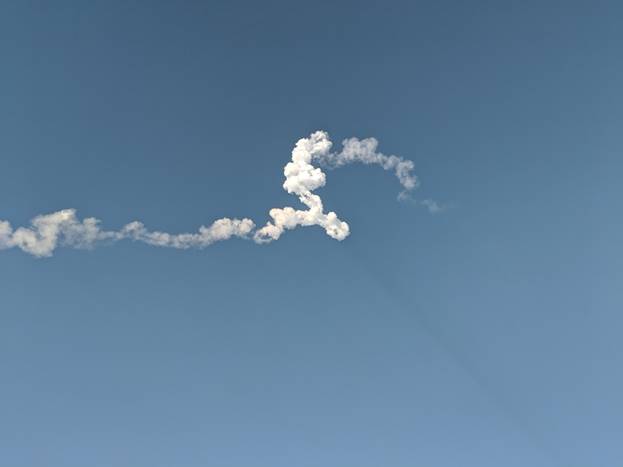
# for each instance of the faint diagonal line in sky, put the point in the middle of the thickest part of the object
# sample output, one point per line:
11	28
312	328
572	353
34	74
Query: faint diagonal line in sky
389	286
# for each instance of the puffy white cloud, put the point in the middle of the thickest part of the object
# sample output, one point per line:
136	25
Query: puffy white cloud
49	231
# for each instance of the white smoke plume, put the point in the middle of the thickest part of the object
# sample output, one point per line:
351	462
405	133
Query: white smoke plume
364	151
63	228
302	178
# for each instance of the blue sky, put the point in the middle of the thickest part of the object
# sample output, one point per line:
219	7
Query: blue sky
484	335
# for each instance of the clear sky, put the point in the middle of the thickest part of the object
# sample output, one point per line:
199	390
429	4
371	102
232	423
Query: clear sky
485	335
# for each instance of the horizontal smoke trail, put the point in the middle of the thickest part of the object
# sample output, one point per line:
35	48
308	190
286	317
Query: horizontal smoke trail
63	228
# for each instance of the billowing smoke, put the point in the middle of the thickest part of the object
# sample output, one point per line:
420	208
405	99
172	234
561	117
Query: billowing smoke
63	228
302	178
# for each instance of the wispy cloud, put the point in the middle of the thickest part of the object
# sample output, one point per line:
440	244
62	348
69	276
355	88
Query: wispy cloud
64	228
433	206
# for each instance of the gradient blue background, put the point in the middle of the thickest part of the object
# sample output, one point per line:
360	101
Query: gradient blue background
487	335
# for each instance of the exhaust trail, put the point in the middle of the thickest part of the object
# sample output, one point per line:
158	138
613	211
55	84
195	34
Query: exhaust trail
63	228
